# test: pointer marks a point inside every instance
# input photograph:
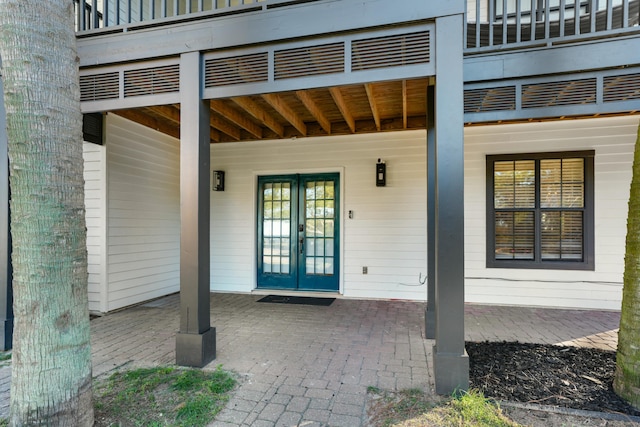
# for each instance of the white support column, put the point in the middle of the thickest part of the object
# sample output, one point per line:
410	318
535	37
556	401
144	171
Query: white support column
451	363
196	341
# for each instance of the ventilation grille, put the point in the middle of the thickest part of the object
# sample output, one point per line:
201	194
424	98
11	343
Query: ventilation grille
621	88
559	93
390	51
152	81
99	87
236	70
309	61
490	99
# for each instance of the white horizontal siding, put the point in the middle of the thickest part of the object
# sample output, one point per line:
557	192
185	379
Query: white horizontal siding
613	141
388	230
95	217
143	253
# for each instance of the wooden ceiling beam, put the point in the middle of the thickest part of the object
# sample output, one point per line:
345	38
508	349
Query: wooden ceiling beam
373	104
285	111
169	112
315	111
260	114
236	117
172	114
224	126
342	106
404	104
148	121
214	134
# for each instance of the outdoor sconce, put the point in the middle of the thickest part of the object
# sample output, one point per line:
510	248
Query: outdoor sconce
381	174
218	181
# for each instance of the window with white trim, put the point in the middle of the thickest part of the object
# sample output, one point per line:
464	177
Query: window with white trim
540	210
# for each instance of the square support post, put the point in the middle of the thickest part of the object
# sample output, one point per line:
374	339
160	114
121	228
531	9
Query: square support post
6	288
430	311
451	363
196	340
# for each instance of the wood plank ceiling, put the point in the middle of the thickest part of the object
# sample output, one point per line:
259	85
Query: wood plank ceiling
364	108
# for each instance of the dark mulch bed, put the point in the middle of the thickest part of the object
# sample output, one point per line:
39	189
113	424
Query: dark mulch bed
578	378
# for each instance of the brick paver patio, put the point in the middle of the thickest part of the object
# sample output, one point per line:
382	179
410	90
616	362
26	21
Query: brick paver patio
311	365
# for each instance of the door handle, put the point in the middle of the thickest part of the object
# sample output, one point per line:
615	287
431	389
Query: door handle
301	245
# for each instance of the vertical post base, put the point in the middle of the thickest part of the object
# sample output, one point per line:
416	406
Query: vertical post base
451	372
195	350
429	324
6	334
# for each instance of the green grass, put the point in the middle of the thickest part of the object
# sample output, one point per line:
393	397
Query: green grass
162	396
470	409
413	408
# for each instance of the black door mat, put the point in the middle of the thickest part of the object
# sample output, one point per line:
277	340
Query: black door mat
283	299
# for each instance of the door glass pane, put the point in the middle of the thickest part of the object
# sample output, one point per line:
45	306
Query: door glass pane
329	209
320	209
311	247
319	227
266	264
310	209
328	266
310	264
328	228
310	191
328	247
276	227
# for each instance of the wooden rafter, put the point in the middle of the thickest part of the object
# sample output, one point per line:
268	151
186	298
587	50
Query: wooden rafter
315	111
404	104
224	126
214	135
342	106
285	111
364	108
373	104
172	113
260	114
168	112
150	122
236	117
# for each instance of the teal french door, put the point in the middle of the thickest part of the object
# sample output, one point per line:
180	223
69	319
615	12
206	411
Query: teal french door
298	232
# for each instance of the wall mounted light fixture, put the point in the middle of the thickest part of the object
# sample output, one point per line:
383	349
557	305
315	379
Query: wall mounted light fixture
218	181
381	173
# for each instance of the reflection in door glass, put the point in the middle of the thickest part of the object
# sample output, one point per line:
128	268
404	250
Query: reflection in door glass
276	227
319	237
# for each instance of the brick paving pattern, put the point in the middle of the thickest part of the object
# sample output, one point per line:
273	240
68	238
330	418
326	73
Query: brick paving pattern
311	365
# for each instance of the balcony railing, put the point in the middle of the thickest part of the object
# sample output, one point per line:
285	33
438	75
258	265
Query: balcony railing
491	24
507	24
97	14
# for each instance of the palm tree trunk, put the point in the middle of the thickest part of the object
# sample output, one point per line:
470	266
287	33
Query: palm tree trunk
627	377
51	368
